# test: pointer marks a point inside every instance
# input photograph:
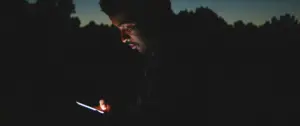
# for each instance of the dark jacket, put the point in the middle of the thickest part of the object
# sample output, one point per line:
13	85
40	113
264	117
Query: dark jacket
176	83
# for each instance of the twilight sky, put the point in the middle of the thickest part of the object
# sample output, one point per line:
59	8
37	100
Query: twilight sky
256	11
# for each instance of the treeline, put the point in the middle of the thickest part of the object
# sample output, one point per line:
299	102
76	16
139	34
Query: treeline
52	19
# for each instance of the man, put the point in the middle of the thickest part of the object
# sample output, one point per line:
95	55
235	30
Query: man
169	94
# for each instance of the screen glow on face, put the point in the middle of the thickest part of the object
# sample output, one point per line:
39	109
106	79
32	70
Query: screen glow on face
130	34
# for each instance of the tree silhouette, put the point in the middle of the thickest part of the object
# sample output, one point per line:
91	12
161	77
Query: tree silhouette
75	23
239	24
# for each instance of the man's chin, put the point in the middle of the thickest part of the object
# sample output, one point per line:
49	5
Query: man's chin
140	50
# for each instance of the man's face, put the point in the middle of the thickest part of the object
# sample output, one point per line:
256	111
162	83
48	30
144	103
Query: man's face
129	33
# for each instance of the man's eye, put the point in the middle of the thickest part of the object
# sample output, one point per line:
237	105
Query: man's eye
130	29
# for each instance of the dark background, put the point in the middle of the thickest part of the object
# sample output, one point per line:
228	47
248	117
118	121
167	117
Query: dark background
252	74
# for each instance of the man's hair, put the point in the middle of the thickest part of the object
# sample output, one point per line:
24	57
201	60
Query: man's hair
135	7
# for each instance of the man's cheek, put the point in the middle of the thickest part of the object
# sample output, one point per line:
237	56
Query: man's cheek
137	39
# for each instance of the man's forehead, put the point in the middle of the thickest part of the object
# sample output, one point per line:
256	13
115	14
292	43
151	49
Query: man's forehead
120	19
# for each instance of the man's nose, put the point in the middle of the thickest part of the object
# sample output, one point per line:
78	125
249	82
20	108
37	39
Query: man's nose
124	37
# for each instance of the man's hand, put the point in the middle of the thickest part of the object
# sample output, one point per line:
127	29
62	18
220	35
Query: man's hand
103	106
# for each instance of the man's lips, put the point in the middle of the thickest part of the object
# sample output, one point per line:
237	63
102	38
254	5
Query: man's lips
133	46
